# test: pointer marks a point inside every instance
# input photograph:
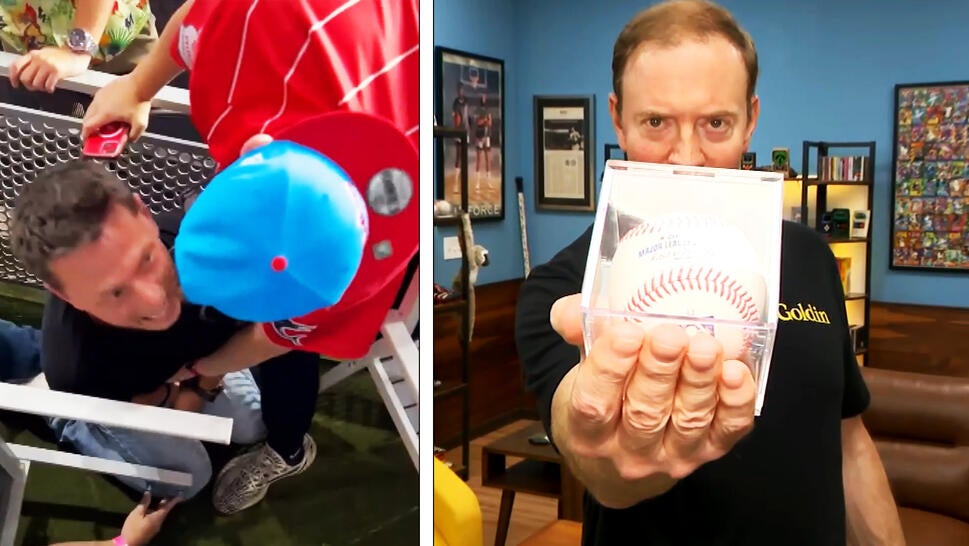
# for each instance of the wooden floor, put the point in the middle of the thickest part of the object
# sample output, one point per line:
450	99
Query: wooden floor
530	513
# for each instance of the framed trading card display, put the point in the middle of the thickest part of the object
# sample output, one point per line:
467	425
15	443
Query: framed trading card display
930	169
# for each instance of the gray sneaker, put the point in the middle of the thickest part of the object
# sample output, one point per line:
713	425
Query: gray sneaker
244	480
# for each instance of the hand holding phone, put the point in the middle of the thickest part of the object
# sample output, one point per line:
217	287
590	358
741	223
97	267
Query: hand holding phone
108	142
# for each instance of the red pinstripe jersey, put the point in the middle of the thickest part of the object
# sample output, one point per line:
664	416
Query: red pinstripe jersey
262	66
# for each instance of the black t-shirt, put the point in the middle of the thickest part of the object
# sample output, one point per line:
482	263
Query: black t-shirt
84	356
782	484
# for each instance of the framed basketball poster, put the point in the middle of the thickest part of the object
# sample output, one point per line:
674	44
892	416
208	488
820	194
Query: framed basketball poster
930	169
470	95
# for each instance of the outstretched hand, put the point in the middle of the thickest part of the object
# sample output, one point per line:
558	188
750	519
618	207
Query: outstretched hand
656	403
143	524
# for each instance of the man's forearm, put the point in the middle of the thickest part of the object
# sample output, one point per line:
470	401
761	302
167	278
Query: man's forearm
158	67
246	349
92	16
600	477
871	512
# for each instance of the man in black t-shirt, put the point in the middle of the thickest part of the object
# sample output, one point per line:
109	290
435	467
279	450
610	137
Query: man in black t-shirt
115	326
657	426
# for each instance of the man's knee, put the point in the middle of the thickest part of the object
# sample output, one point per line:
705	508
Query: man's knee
200	468
248	428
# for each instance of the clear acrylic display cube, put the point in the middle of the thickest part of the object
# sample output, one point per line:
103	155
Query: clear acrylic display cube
693	246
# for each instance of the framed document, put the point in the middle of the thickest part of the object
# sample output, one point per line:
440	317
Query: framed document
564	160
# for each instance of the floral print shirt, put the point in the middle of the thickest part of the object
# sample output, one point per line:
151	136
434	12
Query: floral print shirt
33	24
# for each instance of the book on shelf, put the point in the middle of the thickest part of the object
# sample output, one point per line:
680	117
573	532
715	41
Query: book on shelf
844	168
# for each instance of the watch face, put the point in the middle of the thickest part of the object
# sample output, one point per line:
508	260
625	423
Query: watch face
79	40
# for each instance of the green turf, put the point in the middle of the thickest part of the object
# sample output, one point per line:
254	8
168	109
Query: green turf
362	489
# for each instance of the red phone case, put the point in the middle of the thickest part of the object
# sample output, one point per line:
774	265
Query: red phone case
108	142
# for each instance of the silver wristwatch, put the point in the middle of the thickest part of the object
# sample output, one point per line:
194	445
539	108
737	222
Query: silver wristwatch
81	41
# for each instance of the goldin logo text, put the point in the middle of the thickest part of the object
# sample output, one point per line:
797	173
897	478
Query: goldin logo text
802	313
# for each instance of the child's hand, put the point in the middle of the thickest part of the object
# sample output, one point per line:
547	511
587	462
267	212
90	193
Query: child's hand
117	102
141	525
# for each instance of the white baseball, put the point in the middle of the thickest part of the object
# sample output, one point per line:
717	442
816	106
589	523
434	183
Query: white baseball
689	266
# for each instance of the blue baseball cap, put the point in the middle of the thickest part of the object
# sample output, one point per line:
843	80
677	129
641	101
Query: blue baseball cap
277	234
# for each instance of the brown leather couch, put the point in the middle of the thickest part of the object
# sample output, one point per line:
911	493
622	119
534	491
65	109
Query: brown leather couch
920	424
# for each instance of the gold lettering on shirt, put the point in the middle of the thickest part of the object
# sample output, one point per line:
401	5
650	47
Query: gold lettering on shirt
802	313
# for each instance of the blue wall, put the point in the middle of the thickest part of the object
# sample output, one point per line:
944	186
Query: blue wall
827	73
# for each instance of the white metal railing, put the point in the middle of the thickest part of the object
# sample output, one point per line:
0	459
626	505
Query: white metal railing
393	365
169	98
36	399
170	422
13	476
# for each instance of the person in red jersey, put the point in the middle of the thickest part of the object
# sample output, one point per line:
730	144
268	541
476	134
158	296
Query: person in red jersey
257	71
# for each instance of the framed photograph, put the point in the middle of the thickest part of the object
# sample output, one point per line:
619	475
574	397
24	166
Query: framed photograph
470	96
564	159
930	177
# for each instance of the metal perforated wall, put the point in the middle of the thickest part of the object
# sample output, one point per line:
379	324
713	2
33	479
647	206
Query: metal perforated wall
159	168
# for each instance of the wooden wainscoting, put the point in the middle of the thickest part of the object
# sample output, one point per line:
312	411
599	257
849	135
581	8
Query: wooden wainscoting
497	390
919	338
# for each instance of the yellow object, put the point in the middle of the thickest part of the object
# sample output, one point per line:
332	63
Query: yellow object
457	514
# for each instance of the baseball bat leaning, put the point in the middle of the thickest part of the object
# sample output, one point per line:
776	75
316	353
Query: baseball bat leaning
521	222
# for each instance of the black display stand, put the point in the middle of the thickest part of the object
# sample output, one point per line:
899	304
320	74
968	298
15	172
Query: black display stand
841	175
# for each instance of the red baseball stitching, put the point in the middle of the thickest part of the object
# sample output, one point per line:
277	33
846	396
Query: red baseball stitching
695	278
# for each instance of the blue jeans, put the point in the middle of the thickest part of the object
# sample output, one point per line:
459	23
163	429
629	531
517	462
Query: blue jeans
240	400
19	352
